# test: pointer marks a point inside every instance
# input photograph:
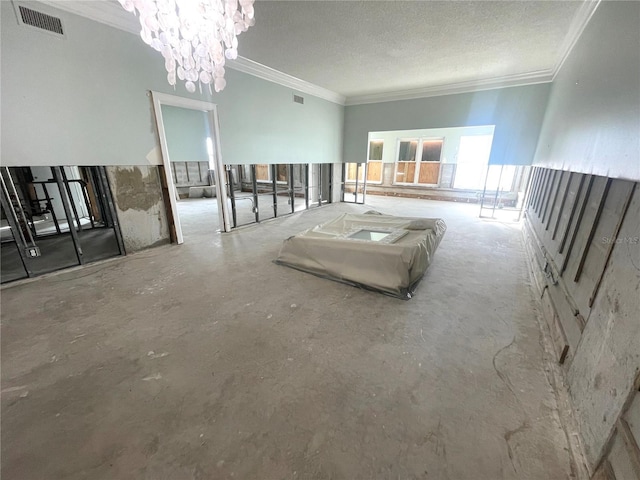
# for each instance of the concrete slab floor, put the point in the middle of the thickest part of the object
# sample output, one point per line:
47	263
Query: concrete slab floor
208	361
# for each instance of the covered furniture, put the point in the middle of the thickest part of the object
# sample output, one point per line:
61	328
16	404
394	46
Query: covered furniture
378	252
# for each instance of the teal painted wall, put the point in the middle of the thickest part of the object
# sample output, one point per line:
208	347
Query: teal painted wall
592	126
516	112
592	123
266	126
83	100
186	131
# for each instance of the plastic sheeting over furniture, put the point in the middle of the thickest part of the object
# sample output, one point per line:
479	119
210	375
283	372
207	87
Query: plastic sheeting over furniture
378	252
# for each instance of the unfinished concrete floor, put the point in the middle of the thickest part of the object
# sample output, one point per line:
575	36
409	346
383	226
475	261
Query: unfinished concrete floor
208	361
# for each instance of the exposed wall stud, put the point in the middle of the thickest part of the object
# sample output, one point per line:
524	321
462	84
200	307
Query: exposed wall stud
592	230
583	207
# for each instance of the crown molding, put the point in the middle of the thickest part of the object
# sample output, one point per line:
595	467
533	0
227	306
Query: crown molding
104	12
267	73
521	79
110	13
578	24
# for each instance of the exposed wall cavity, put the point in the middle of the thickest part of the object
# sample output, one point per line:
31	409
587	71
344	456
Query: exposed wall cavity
137	192
583	237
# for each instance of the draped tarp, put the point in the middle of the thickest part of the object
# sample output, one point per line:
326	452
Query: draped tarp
378	252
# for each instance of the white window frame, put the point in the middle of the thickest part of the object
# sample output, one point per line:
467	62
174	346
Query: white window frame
396	161
418	161
375	182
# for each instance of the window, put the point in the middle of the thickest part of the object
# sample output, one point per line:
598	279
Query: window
431	150
374	167
352	168
263	173
472	161
430	162
406	163
423	172
282	174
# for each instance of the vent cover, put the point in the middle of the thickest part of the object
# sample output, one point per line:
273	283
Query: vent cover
40	20
298	99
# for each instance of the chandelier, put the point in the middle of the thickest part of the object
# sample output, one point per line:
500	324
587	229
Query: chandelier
193	36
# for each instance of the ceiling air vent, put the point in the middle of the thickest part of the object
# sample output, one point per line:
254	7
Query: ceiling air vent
298	99
40	20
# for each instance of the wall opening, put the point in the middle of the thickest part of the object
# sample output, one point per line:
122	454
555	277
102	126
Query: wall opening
55	218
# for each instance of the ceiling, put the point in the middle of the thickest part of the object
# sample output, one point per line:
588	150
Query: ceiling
374	49
357	48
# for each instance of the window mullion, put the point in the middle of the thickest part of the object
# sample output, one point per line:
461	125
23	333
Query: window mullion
418	160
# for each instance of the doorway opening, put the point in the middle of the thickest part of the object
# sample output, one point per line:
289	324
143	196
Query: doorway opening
194	172
191	159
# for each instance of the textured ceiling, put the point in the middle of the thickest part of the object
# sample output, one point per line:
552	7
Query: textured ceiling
364	47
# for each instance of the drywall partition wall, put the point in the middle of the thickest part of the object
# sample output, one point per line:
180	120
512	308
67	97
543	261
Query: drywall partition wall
187	131
451	140
516	112
266	126
83	100
592	123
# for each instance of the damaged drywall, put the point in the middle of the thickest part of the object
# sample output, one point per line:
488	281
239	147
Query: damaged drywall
602	373
137	191
588	248
589	288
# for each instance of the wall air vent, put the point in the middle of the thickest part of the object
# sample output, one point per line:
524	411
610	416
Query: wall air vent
40	20
298	99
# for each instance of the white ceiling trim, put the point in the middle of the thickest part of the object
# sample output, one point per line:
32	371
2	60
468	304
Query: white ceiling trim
267	73
104	12
542	76
579	23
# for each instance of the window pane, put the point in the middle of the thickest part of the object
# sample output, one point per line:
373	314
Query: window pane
407	151
352	168
431	150
374	171
282	173
405	172
262	173
429	173
473	157
375	150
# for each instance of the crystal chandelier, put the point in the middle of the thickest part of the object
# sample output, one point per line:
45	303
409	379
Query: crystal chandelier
193	36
